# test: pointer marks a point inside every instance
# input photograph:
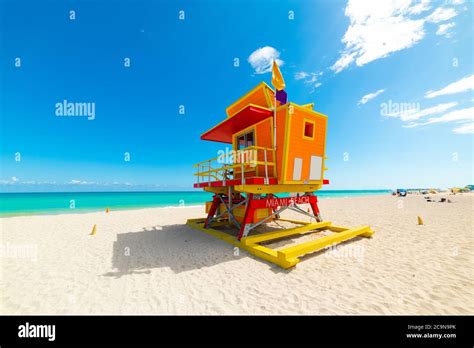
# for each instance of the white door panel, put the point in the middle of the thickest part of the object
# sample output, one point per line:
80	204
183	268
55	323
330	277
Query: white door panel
316	168
297	166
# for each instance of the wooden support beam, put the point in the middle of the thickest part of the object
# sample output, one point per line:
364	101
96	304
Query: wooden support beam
298	222
333	228
284	233
318	244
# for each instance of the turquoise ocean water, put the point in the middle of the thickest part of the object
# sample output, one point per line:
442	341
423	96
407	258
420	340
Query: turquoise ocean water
55	202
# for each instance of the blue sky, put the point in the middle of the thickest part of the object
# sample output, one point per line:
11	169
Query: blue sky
394	77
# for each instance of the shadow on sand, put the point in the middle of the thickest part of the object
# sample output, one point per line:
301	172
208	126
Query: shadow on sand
178	247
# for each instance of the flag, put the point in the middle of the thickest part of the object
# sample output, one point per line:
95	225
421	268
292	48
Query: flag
277	78
281	96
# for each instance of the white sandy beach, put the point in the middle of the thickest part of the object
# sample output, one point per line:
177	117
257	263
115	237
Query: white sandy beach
148	261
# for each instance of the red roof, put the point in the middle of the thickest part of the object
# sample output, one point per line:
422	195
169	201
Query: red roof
247	117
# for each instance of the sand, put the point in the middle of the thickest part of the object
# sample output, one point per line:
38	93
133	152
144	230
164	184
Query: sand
146	261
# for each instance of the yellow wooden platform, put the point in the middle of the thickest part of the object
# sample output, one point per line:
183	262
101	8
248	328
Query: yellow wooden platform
286	257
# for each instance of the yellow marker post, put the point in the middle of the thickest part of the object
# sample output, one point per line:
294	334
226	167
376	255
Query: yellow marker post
107	210
420	221
94	230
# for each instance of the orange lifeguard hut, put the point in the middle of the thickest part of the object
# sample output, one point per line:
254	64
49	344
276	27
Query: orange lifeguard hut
278	148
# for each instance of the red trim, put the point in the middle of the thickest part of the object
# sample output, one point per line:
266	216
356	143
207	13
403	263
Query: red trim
248	181
249	212
245	118
212	210
314	205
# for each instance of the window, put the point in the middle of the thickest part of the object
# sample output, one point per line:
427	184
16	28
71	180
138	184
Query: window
308	129
245	140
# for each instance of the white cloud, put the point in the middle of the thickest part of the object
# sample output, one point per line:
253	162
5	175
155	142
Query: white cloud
466	128
262	59
377	29
463	85
413	114
13	180
443	29
420	7
84	182
368	97
442	14
410	125
343	62
301	75
311	78
81	182
460	116
456	115
380	28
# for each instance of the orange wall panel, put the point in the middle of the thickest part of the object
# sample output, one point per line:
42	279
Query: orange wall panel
302	147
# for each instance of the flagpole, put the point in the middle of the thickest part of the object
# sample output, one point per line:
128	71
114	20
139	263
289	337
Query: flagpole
277	81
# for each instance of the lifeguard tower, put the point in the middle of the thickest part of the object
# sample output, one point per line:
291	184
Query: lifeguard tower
276	163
